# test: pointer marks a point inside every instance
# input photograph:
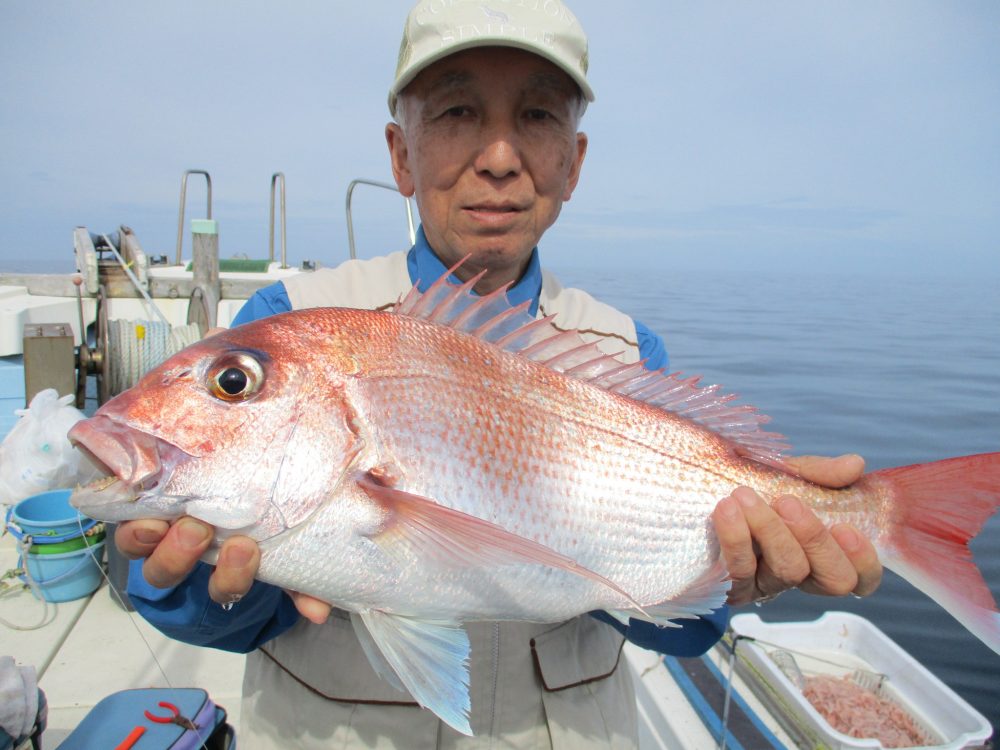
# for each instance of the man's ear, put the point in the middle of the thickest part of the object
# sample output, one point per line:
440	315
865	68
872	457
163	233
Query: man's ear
574	173
399	156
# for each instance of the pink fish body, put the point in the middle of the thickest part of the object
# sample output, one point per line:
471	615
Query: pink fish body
459	461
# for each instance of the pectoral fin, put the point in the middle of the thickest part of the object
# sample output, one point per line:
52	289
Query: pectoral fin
430	658
448	536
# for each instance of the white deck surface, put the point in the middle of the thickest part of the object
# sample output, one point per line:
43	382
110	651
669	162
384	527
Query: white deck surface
91	647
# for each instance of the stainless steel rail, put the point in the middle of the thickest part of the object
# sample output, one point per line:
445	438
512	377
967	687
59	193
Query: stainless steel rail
180	217
386	186
275	179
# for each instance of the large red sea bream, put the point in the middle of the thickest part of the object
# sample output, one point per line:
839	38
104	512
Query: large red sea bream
457	460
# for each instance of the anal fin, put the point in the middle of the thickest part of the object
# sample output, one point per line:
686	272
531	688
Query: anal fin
375	656
430	658
706	593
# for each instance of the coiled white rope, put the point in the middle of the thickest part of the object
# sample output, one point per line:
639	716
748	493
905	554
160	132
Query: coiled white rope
137	346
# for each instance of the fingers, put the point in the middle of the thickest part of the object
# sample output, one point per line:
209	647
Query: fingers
763	556
175	556
771	548
737	548
136	539
312	609
829	472
172	551
827	570
863	557
235	569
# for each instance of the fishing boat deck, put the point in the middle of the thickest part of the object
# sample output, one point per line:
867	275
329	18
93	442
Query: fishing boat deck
91	647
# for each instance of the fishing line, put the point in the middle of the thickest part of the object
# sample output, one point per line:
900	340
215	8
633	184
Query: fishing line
881	676
727	701
121	601
23	545
731	664
125	608
148	301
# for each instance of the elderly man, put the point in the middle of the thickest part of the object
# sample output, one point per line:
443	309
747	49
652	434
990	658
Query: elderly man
486	101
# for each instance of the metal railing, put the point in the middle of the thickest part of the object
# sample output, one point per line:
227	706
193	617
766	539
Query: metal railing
180	217
278	187
386	186
275	179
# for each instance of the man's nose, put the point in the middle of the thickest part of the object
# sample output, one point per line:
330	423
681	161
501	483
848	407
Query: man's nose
499	153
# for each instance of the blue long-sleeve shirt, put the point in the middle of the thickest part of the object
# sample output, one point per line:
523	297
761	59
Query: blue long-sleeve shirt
186	613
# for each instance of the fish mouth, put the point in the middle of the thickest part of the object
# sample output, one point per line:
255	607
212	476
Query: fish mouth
136	466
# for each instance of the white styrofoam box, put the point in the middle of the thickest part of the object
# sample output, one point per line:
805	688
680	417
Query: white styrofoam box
852	642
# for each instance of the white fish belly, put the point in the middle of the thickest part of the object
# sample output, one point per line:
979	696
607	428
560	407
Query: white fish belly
652	556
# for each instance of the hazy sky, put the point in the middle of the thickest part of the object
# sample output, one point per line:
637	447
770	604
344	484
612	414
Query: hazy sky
793	135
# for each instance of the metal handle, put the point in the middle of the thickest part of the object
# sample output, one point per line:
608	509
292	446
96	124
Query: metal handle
180	217
350	222
275	178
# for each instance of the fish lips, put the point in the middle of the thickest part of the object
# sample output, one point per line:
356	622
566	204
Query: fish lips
138	466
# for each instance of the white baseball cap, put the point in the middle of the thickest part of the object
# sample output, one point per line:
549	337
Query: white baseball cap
437	28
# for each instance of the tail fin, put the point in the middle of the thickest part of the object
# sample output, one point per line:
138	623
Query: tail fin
938	509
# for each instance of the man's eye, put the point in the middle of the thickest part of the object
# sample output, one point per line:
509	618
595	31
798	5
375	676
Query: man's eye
456	111
538	114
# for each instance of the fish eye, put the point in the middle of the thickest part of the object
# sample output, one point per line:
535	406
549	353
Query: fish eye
235	377
233	381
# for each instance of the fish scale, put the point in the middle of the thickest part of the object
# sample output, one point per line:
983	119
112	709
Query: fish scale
557	474
457	460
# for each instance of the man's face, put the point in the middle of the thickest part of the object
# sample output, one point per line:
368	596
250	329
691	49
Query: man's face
488	145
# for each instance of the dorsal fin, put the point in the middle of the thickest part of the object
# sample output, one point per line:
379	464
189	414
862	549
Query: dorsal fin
512	328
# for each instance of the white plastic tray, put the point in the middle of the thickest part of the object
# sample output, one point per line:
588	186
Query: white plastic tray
841	638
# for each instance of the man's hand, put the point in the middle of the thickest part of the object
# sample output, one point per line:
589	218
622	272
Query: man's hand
172	551
771	548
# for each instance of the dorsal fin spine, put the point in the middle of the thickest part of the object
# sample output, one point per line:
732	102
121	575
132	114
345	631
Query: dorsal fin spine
442	311
478	304
488	317
532	351
525	330
553	361
405	304
498	320
604	360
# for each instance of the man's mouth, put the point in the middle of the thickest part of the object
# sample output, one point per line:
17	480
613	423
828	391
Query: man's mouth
493	212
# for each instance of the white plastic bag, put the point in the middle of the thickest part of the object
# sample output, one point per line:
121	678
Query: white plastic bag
36	455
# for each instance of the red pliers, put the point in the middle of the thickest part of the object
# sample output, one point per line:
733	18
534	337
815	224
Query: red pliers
174	718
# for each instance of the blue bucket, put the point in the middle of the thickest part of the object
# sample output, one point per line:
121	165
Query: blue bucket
68	575
49	519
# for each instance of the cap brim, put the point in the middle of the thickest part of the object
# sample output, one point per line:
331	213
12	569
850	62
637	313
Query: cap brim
415	69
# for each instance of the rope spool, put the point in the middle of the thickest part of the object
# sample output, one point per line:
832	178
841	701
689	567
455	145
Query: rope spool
137	346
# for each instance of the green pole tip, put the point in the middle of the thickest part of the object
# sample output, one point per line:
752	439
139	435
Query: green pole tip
204	226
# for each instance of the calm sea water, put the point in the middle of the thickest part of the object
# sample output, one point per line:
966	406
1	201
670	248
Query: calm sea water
899	370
